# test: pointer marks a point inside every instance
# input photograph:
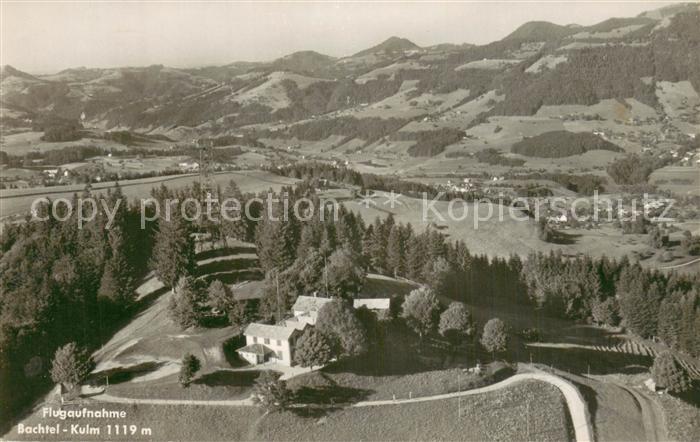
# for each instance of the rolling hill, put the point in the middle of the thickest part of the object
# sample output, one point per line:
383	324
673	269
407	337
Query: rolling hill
540	64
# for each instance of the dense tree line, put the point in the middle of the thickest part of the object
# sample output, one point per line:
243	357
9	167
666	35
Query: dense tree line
60	284
495	157
634	169
429	142
78	153
561	143
315	171
584	184
647	302
67	132
327	96
367	129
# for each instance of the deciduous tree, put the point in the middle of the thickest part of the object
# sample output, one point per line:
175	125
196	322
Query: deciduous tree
494	338
456	323
345	275
312	349
337	321
421	309
271	393
189	366
71	364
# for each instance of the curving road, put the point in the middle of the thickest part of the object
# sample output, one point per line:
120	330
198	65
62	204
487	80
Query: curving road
653	416
583	430
680	265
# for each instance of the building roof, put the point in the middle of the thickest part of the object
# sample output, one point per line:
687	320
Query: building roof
293	322
257	349
309	303
269	331
372	303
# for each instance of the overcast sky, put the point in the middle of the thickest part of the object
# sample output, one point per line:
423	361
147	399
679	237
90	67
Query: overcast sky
44	37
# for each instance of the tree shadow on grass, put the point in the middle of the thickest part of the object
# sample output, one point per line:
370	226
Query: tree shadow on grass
233	276
243	378
589	396
397	353
582	360
563	238
325	396
119	375
334	395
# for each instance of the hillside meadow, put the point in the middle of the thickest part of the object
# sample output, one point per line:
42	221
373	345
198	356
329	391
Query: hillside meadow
529	410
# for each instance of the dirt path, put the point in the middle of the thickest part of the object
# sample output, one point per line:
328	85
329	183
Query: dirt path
653	415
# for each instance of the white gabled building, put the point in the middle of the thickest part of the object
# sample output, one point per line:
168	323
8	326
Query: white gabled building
273	343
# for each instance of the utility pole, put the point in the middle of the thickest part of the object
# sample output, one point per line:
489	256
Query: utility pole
279	304
325	273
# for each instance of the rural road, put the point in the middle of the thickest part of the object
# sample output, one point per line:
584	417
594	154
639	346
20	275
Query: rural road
583	429
680	265
577	406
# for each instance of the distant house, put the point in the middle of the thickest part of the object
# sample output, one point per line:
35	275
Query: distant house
51	173
271	342
189	166
306	308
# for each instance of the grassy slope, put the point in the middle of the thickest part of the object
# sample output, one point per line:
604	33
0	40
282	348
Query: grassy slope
142	359
684	418
167	422
494	238
500	235
498	416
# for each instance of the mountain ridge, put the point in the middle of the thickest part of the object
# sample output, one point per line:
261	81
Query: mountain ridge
538	64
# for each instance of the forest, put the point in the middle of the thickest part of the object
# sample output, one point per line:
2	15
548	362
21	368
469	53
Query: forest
561	143
367	129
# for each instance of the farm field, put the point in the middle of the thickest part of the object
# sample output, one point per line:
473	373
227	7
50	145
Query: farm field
17	201
678	179
21	143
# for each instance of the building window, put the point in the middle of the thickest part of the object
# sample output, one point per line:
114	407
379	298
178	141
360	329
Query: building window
279	343
267	341
279	354
255	339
